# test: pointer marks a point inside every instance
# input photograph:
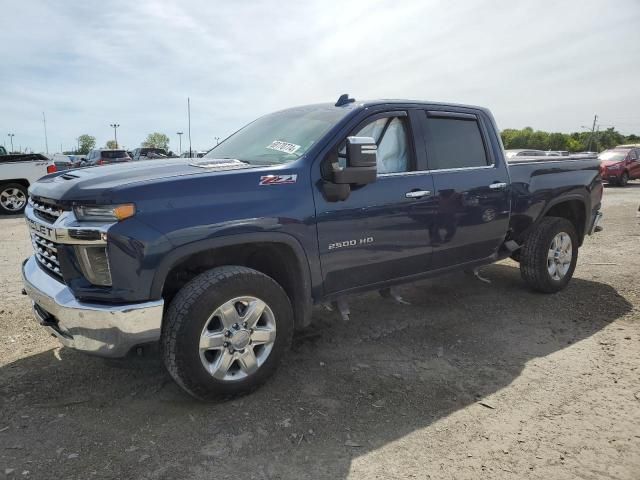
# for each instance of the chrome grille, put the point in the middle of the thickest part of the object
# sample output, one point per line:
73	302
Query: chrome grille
48	213
46	254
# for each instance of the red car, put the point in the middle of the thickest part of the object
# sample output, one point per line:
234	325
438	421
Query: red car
619	165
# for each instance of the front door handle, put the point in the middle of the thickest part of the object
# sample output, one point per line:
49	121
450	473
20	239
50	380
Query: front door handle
498	186
417	193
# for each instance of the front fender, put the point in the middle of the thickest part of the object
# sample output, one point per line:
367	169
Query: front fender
181	253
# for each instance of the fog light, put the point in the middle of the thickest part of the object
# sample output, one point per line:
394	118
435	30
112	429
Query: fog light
95	264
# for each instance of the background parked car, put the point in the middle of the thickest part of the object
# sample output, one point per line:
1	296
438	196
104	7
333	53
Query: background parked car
619	165
524	153
147	153
77	160
103	156
17	173
62	162
193	154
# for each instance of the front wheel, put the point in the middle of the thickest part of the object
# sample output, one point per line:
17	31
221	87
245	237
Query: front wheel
549	255
226	331
624	179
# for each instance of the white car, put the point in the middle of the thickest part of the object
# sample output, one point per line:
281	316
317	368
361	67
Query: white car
17	172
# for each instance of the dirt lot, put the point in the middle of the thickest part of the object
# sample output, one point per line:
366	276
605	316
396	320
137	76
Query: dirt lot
471	380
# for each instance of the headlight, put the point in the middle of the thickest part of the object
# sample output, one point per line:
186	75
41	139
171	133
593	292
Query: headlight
613	167
94	263
104	213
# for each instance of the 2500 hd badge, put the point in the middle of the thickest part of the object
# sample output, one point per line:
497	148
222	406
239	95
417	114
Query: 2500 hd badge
351	243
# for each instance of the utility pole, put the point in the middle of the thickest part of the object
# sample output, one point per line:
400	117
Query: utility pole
115	132
593	129
180	142
11	135
189	115
46	142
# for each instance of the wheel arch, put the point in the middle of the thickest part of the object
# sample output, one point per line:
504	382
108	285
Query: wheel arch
21	181
574	208
278	255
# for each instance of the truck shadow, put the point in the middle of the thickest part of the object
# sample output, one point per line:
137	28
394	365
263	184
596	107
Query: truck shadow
346	388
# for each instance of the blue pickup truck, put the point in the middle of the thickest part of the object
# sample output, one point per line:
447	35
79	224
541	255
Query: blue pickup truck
221	258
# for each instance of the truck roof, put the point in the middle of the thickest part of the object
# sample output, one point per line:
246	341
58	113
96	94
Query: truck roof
360	104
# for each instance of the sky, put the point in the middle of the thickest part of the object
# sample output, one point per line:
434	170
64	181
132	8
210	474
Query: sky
550	65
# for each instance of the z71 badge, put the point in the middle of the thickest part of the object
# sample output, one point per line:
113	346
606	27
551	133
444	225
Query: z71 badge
278	179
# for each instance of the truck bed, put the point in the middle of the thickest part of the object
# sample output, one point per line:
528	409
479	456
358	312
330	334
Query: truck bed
537	182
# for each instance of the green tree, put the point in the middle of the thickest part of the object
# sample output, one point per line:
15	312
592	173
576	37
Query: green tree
111	144
156	140
85	143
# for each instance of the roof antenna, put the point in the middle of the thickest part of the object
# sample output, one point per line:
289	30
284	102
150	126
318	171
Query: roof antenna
344	100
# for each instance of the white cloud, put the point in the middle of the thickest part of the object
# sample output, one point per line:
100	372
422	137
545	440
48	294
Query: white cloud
551	65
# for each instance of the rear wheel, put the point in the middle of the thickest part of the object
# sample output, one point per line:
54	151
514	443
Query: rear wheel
226	331
549	255
13	198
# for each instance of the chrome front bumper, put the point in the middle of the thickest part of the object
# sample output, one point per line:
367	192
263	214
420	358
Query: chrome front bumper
103	330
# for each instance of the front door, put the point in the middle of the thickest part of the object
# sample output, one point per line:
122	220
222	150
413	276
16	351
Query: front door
381	231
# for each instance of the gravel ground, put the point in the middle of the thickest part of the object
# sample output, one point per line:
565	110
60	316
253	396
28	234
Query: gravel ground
471	380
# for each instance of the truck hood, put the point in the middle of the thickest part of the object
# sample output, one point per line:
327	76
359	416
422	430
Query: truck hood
94	184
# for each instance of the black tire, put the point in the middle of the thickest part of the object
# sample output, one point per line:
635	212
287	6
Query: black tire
534	253
624	179
7	187
189	313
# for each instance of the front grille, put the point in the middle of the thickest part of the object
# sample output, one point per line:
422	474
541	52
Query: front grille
46	254
44	211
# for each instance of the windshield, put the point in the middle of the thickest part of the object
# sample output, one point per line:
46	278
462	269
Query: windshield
279	137
616	156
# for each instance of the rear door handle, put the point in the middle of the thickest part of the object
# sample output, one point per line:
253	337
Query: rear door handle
417	193
498	186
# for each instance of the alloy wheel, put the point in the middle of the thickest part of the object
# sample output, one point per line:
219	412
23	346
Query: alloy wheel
237	338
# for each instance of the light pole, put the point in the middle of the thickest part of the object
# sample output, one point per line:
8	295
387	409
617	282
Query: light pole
11	135
115	132
180	142
46	141
217	140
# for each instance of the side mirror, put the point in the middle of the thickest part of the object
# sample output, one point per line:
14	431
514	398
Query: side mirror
361	167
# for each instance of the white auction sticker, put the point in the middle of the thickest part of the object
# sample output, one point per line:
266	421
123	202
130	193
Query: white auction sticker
285	147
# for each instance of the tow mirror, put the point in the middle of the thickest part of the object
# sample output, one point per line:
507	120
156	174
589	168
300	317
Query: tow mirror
361	164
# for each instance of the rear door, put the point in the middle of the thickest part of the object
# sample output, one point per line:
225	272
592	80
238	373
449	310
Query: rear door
381	232
471	187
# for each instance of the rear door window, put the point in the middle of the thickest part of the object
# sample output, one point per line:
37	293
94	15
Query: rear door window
454	142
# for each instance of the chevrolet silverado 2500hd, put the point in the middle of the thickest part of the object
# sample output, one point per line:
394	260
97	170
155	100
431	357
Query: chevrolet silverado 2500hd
220	258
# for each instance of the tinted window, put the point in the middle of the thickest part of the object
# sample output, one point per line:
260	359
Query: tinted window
634	154
613	155
454	143
114	154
